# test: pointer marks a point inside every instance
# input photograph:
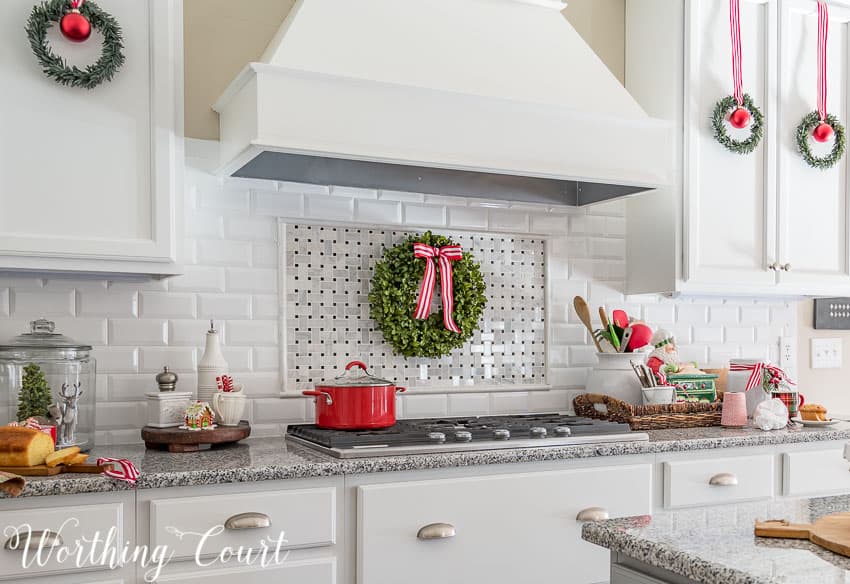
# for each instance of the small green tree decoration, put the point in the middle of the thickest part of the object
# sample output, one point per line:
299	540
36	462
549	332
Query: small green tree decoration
35	396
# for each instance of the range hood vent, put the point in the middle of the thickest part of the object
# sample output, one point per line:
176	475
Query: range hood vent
495	99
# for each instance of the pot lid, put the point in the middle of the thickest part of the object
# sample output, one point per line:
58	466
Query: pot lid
41	336
356	375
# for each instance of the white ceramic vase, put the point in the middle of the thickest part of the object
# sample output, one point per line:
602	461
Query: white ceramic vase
614	376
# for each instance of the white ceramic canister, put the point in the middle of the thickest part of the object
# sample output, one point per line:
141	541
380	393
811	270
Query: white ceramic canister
613	375
167	408
211	366
737	382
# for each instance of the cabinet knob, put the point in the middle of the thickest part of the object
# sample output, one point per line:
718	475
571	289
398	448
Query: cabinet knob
248	521
33	540
592	514
436	531
774	266
723	479
787	267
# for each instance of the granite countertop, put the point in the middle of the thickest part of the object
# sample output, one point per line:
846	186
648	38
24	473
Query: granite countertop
262	459
716	545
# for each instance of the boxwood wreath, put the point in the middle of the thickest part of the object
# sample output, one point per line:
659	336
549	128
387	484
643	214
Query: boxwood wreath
718	122
804	131
44	15
395	289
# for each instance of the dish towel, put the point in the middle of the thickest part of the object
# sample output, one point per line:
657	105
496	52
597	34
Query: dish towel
12	484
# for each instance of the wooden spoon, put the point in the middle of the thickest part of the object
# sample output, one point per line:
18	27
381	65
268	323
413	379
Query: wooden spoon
583	312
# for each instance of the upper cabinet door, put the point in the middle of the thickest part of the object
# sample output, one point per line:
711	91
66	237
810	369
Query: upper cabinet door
91	178
813	211
730	210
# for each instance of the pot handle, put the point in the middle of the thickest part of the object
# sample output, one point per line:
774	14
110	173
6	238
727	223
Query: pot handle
401	389
360	364
328	399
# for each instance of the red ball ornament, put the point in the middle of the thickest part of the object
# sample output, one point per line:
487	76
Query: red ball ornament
823	132
75	26
739	118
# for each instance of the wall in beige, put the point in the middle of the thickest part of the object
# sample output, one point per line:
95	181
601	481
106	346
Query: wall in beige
825	386
221	36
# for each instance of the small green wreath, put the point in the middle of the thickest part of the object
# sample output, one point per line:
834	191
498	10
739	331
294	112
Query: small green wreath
804	130
44	15
395	290
718	122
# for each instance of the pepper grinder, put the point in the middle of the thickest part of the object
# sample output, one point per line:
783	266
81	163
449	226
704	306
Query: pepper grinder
167	406
211	365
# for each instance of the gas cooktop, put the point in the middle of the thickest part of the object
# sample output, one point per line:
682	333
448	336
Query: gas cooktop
463	434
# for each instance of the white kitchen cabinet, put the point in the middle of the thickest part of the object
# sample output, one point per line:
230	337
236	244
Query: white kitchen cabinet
92	179
762	223
815	473
718	480
506	526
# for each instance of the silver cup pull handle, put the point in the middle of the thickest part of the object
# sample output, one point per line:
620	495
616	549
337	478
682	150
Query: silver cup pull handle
592	514
31	542
723	479
248	521
436	531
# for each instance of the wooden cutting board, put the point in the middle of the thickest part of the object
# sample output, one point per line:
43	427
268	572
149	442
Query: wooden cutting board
42	470
831	532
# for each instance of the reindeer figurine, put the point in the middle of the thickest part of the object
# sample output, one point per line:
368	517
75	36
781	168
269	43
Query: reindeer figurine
67	414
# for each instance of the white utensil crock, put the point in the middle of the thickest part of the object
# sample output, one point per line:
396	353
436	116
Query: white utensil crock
614	376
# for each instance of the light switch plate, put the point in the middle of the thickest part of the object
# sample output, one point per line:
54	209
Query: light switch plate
827	353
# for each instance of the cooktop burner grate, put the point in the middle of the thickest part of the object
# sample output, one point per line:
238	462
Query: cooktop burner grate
431	431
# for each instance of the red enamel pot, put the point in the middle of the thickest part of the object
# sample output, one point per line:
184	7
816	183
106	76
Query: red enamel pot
355	400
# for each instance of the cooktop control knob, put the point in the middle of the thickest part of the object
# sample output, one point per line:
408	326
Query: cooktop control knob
436	437
562	431
537	432
463	436
501	434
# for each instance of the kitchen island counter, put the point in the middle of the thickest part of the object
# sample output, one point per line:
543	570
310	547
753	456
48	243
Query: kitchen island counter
716	545
274	458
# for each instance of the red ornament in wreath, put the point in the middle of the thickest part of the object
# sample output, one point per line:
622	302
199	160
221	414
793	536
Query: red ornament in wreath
74	26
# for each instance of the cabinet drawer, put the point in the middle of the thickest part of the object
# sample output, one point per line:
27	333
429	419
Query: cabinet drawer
307	518
72	523
814	473
321	571
691	482
506	526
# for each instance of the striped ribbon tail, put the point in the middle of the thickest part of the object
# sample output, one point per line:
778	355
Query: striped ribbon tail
122	469
737	55
823	35
445	256
757	370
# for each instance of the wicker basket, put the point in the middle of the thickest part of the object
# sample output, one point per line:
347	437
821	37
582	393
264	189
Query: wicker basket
657	417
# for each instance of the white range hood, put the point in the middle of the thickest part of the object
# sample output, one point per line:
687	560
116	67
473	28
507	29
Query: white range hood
498	99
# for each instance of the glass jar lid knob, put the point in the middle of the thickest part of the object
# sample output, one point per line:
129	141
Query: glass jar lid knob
42	325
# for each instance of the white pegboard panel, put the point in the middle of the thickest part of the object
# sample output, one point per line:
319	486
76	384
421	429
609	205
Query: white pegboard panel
327	278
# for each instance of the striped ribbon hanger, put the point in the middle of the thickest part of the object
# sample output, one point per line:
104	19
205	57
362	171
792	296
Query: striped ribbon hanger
737	55
445	255
122	469
823	35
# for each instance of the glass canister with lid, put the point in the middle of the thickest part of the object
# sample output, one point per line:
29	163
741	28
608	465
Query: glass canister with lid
50	377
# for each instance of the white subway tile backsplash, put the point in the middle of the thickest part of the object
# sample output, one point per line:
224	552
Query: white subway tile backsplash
724	314
224	306
254	280
4	302
205	224
108	302
246	228
755	315
354	192
91	331
112	415
280	410
265	306
468	217
127	331
469	404
260	384
192	332
377	212
223	199
43	302
658	314
554	400
178	359
508	221
739	334
214	252
329	208
124	388
238	359
198	279
252	332
509	403
401	196
306	188
425	406
692	313
116	359
265	255
278	204
424	215
549	223
167	305
707	334
266	359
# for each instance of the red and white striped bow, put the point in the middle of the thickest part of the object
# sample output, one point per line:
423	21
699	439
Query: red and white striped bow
757	375
445	255
122	469
30	423
735	27
823	36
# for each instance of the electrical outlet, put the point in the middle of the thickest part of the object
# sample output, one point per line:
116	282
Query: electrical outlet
788	355
827	353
